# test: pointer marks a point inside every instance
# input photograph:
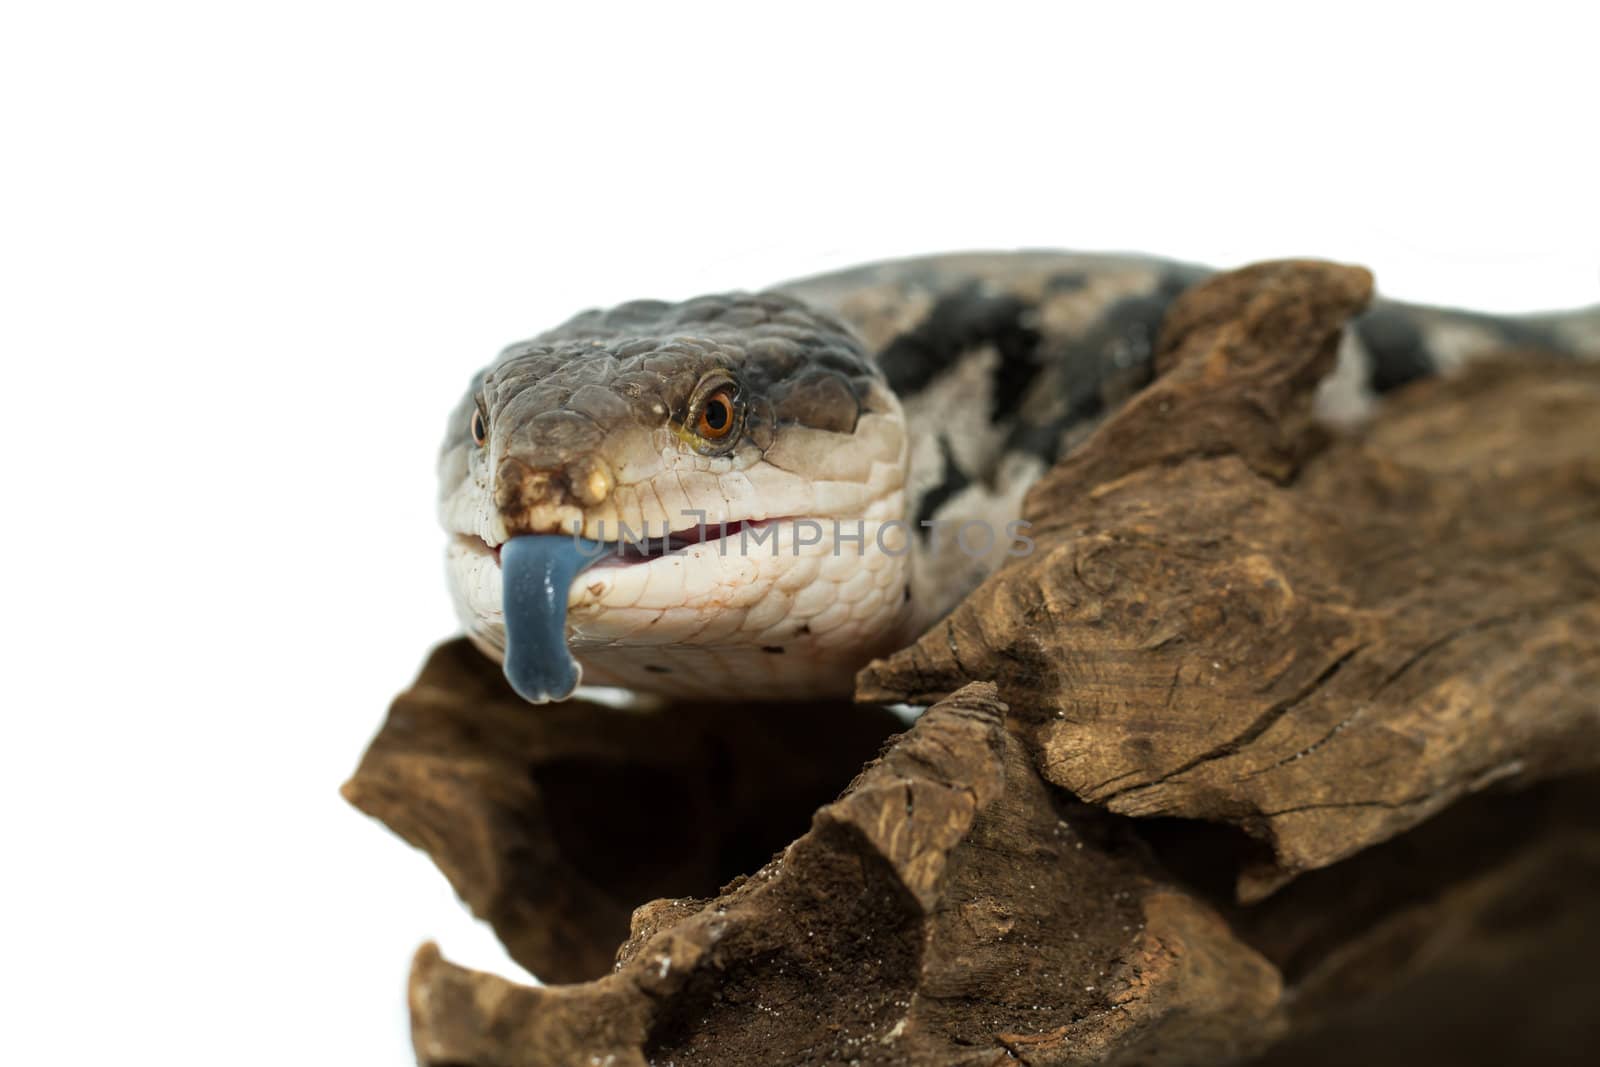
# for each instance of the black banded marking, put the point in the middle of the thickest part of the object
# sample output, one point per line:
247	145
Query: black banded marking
955	480
1395	347
1116	355
1125	336
956	324
1018	345
1395	337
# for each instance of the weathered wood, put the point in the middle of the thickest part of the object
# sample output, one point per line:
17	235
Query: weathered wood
1324	651
953	908
553	824
950	908
1469	940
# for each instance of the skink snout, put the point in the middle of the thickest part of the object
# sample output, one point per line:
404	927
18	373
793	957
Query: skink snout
548	500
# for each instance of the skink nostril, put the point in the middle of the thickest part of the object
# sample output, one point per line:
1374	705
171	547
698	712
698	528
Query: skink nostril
590	480
586	482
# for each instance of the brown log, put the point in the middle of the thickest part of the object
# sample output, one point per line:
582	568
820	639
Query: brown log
554	823
950	908
953	908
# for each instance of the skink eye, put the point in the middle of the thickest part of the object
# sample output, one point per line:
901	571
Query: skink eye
716	415
480	428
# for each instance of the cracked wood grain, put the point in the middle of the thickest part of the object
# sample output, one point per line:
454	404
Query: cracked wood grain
949	908
509	803
1230	616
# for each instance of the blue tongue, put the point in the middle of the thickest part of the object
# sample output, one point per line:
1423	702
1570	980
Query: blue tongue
537	572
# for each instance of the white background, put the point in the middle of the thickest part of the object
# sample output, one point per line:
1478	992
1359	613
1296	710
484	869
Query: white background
253	252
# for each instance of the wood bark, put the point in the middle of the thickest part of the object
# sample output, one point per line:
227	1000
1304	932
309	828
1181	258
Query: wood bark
1227	618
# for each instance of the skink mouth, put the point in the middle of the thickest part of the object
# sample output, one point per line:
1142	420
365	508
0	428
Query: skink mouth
635	550
537	573
643	550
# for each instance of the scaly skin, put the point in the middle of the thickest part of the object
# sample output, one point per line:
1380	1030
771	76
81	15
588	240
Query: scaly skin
880	399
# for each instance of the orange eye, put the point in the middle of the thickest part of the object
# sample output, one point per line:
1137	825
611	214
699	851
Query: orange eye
716	415
480	428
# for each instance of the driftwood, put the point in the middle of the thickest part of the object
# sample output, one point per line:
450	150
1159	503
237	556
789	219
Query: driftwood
554	823
948	908
1241	653
1323	654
